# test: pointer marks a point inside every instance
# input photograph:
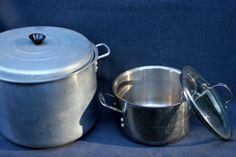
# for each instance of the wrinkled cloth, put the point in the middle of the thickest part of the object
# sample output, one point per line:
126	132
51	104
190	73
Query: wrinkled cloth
152	32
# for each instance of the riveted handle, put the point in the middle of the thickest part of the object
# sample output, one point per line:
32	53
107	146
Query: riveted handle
105	54
103	102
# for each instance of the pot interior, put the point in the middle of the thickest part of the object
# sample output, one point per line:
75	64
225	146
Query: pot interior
149	86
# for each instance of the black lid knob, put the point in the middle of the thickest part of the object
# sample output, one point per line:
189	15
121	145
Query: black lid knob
37	38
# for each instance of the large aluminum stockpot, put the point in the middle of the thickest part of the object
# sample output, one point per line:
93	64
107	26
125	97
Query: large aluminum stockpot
153	102
47	85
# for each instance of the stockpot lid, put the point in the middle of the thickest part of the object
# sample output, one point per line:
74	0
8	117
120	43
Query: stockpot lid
206	102
39	54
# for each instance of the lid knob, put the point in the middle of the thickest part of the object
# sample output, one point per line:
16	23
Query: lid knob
37	38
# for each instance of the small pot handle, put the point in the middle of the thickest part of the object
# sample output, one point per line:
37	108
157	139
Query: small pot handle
103	102
225	87
214	86
105	54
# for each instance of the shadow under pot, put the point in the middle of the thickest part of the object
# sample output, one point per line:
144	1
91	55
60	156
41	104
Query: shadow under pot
154	104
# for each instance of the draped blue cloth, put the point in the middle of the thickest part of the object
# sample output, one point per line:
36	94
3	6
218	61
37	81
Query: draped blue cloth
172	33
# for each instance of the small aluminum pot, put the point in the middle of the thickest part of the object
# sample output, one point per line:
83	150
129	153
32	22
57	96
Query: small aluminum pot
149	100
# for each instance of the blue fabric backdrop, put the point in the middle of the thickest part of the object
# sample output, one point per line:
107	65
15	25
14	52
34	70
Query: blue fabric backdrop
140	32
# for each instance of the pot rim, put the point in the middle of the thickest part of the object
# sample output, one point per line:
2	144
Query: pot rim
144	68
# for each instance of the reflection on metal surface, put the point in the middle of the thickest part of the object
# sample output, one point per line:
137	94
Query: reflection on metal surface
150	105
150	87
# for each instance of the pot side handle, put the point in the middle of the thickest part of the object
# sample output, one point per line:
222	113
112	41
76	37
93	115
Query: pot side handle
105	54
103	102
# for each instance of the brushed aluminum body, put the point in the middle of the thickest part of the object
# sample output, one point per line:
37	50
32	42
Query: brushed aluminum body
48	114
47	84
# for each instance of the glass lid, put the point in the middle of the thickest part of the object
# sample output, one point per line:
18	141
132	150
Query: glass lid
206	102
39	54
